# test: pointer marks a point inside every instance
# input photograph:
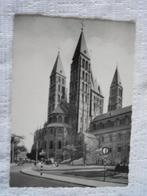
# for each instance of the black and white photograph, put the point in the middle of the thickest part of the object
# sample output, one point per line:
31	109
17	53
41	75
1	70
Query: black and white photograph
71	108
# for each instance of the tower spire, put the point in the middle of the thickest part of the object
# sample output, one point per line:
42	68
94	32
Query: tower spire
58	51
81	48
58	82
58	67
116	78
116	89
82	25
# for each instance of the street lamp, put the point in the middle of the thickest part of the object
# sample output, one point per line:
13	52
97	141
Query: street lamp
104	151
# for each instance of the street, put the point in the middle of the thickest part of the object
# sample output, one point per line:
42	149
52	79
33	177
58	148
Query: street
17	179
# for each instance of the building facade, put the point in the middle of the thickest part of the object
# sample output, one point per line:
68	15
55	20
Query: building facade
85	96
67	122
57	87
113	130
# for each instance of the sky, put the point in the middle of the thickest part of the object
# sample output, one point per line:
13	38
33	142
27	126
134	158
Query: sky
36	42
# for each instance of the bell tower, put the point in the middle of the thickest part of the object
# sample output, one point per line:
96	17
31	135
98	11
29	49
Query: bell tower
116	92
57	89
79	96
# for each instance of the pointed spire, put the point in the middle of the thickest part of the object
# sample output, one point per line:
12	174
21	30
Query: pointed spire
81	46
58	67
116	78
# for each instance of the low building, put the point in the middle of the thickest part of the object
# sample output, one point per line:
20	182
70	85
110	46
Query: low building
56	134
113	130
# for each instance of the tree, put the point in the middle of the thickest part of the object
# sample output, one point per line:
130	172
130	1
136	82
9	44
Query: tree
70	149
17	146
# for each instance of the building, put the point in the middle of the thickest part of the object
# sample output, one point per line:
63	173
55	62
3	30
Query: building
57	88
116	91
85	96
113	128
68	122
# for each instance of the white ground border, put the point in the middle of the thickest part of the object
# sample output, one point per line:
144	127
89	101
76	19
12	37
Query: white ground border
126	10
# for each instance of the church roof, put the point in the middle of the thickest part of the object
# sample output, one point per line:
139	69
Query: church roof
58	67
81	47
65	125
113	113
62	108
58	110
116	78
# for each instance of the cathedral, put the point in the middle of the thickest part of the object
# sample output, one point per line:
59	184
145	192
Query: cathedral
69	121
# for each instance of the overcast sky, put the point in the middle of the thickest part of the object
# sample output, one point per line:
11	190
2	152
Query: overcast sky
36	43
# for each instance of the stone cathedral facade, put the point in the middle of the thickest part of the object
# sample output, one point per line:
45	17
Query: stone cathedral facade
67	122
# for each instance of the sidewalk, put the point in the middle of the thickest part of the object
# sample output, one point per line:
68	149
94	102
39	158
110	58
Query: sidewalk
71	167
78	181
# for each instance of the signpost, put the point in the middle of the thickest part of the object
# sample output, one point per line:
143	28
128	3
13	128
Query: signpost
105	152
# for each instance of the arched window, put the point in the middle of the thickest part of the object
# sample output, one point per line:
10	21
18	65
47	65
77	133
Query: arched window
120	92
82	86
89	67
66	119
59	79
54	119
51	130
59	87
109	124
117	122
100	126
119	136
86	98
102	138
51	144
110	138
126	120
58	98
83	63
59	144
122	121
94	126
82	97
86	67
60	119
83	75
86	88
86	77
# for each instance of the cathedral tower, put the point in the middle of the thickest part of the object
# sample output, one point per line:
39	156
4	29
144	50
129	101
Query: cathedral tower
79	97
57	89
116	90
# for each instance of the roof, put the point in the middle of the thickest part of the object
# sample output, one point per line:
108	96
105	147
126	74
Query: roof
58	110
58	67
62	108
116	78
65	125
113	113
64	105
81	47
